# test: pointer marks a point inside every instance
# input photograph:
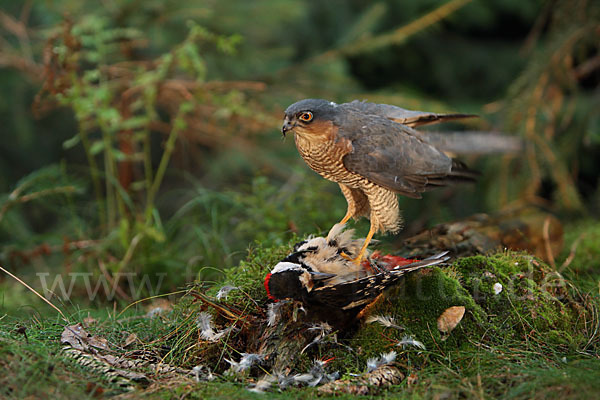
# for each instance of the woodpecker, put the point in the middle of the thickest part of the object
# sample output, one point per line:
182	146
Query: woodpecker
320	272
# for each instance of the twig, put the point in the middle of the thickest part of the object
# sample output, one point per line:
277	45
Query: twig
587	67
130	250
396	36
178	126
547	244
109	278
150	298
36	293
32	196
572	252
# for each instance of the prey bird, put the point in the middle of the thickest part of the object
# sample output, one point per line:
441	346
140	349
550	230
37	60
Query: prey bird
373	153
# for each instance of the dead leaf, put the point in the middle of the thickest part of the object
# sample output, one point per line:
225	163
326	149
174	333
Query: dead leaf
130	339
412	379
78	338
94	389
450	318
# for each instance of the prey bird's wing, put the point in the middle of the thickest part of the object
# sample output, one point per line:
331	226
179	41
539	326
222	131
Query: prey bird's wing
403	116
395	156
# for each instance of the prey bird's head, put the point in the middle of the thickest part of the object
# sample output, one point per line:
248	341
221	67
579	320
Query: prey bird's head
304	115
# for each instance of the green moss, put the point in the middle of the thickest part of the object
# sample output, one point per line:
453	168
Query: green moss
534	300
416	305
535	306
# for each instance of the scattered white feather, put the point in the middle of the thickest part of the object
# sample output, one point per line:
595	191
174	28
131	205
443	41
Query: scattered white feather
224	332
285	381
304	378
384	359
246	362
297	308
155	312
263	384
207	330
316	376
324	330
384	320
273	312
224	291
202	373
372	364
410	341
205	324
497	288
322	327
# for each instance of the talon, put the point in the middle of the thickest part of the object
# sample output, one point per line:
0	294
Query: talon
361	255
358	260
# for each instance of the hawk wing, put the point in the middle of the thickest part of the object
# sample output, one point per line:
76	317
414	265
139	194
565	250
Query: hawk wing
401	115
395	156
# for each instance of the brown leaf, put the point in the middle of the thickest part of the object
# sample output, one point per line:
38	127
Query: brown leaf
130	339
80	339
450	318
94	389
412	379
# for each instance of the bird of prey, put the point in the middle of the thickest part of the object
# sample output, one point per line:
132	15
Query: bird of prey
373	153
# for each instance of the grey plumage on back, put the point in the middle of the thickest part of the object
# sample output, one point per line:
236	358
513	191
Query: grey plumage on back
391	155
401	115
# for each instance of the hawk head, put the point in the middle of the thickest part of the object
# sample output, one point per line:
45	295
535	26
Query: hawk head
303	115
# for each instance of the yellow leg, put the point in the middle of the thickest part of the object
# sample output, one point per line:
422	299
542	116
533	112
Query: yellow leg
361	255
342	222
346	217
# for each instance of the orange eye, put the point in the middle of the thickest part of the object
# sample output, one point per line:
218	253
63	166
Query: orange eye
306	116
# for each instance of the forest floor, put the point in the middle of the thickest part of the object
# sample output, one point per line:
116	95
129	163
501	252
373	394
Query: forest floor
538	337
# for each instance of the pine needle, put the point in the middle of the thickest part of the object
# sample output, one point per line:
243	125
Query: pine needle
36	293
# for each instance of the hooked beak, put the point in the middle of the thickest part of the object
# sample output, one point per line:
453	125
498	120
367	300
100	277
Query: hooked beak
287	126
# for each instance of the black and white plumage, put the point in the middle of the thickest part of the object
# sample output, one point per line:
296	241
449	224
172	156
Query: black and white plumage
319	272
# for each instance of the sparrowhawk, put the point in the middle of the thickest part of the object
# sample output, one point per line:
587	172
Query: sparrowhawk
373	153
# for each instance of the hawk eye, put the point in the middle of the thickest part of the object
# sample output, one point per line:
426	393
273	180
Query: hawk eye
306	116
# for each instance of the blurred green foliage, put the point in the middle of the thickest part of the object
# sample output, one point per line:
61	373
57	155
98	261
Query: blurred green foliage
143	135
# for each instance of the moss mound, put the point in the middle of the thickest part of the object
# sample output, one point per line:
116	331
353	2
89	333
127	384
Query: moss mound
510	299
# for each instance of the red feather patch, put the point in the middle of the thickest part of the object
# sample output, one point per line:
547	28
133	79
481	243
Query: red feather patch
266	283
